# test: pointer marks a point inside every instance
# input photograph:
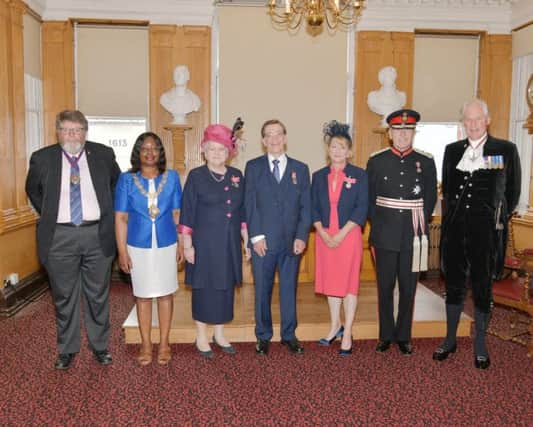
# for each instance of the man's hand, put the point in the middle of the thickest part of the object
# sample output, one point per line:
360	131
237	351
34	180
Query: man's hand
260	247
299	246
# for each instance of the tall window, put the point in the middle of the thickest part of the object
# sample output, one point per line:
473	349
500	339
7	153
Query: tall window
433	138
118	133
33	91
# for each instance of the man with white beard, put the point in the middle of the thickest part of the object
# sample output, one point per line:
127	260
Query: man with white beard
71	186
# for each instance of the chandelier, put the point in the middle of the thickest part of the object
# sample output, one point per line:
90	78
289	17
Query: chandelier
290	13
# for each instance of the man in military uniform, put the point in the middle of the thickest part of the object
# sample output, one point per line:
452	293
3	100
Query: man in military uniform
402	191
480	187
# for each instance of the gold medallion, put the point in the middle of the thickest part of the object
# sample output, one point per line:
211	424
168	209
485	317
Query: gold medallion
153	211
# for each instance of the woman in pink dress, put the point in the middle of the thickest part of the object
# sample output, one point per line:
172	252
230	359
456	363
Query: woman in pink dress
340	204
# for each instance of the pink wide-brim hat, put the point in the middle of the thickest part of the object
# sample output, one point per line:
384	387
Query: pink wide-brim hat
221	134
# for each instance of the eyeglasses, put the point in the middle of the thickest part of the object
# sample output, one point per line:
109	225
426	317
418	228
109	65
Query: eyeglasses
76	131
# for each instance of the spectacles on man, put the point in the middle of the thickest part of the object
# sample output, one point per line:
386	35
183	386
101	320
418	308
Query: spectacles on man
76	131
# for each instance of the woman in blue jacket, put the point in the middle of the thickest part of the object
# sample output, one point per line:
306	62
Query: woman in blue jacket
339	207
147	203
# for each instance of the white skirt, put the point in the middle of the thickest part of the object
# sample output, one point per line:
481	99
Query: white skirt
154	271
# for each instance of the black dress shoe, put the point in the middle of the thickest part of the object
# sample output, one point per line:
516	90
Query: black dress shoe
441	353
64	361
103	357
481	362
382	346
293	346
405	348
262	347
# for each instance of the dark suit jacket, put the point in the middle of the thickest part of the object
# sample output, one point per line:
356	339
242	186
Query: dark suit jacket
353	201
490	193
43	185
281	212
408	178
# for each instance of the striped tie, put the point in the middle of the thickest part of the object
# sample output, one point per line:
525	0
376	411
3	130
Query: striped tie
76	213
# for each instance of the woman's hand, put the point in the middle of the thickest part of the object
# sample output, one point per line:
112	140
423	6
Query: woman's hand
327	239
338	238
124	262
179	254
247	253
189	254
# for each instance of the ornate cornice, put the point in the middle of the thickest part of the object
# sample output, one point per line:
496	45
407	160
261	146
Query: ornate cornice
494	16
180	12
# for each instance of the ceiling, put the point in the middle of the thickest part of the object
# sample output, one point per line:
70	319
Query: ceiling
495	16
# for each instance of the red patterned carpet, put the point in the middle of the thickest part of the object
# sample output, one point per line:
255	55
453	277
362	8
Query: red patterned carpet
318	388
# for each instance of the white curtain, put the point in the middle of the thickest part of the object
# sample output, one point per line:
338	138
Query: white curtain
33	90
522	70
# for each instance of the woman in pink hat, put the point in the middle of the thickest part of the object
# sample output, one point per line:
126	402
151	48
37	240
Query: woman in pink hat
212	225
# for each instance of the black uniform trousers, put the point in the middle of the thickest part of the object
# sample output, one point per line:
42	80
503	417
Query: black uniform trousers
470	252
392	265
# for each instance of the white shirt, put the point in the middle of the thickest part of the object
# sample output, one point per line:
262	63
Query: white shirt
282	165
472	159
89	202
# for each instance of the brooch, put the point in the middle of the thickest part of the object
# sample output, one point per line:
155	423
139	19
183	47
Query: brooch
349	181
417	189
293	177
418	168
235	181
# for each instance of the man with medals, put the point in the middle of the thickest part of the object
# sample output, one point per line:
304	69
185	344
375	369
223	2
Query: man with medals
402	195
480	188
70	185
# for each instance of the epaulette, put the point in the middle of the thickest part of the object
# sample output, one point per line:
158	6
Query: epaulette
424	153
375	153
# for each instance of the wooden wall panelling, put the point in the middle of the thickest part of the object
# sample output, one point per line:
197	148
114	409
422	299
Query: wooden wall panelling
58	73
17	230
375	50
170	46
495	79
15	211
6	114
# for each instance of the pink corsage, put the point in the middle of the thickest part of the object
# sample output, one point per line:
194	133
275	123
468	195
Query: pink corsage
349	181
235	181
293	177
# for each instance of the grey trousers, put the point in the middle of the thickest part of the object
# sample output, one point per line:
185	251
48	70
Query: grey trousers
77	266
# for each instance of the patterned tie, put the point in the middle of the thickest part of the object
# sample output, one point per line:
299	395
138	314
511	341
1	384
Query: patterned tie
275	171
76	214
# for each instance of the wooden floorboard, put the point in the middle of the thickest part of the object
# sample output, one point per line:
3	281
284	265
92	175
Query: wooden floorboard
313	316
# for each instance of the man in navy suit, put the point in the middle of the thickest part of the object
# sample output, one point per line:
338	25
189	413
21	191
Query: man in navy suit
71	185
278	215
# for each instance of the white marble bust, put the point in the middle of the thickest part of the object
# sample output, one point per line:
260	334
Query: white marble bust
386	99
180	101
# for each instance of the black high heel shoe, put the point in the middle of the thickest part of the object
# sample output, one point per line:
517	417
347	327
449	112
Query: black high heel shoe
325	342
343	352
